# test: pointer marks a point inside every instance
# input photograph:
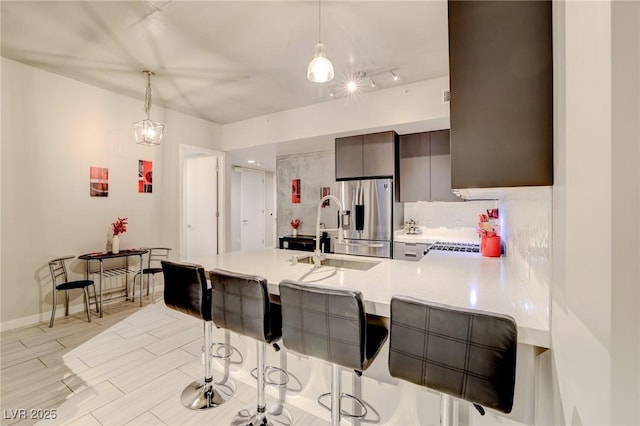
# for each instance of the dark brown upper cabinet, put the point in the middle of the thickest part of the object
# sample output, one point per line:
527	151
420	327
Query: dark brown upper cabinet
425	169
501	75
366	156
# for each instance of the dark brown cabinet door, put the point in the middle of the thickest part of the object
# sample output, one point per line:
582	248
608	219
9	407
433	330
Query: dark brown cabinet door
441	167
349	157
415	168
425	167
366	156
378	154
500	62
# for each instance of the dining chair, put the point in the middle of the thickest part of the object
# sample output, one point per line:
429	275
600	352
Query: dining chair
155	257
60	280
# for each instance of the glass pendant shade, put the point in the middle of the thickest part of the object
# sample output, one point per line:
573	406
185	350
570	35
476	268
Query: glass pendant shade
320	69
148	132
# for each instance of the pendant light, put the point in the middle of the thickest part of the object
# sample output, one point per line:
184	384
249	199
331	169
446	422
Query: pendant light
148	132
320	69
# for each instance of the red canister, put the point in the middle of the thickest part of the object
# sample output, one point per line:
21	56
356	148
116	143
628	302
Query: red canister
490	246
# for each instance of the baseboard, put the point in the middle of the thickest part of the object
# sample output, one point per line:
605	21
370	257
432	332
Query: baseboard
41	317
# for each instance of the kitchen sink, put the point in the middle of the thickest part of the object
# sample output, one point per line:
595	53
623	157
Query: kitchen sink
359	265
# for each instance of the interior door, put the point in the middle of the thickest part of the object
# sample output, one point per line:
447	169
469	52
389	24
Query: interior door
252	204
201	201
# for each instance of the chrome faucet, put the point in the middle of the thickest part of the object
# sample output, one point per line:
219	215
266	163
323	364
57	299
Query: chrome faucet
318	256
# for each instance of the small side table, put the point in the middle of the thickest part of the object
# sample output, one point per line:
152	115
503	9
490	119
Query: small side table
111	272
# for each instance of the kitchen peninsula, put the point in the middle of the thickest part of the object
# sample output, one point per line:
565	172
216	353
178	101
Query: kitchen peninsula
459	279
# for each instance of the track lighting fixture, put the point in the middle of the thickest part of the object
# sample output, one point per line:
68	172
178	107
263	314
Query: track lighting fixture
363	79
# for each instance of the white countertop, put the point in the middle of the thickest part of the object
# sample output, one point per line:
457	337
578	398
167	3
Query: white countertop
459	279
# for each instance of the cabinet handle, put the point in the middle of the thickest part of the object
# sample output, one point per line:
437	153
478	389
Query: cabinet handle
409	254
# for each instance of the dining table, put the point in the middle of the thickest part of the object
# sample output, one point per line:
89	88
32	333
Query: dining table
101	257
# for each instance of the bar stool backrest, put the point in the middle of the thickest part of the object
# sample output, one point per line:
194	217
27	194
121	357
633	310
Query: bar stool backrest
325	323
465	353
185	289
241	304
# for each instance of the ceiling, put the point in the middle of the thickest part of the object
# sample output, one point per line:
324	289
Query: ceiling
226	61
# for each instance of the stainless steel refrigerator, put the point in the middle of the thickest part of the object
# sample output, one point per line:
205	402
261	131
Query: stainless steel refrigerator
373	215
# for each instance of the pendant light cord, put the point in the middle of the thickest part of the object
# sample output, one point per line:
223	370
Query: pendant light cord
147	96
319	24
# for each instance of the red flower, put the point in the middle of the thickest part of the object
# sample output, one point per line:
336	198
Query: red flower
119	226
295	223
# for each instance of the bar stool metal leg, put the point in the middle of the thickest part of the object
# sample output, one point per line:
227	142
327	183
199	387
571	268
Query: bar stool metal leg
446	410
261	417
202	395
336	394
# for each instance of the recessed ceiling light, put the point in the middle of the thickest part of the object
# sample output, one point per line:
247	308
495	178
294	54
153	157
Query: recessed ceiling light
251	161
352	86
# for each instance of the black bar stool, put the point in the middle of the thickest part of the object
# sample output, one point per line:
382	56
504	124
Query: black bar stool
186	291
462	353
330	324
241	304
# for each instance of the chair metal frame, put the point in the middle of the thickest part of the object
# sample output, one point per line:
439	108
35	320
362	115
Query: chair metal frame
58	269
155	255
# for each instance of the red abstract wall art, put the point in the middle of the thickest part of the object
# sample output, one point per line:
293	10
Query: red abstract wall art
98	181
295	191
145	176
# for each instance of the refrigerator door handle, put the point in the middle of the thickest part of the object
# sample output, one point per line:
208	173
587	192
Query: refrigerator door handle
359	217
372	245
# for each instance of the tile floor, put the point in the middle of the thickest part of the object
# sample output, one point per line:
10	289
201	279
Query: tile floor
127	368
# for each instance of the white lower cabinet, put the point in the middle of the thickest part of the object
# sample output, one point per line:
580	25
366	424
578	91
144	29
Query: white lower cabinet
409	251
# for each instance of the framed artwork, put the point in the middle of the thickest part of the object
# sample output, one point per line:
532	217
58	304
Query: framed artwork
98	181
295	191
324	191
145	176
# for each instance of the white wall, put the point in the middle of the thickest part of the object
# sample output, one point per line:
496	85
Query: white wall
54	129
596	213
406	105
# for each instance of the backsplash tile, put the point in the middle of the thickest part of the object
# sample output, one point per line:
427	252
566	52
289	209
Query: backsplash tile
526	219
448	215
525	226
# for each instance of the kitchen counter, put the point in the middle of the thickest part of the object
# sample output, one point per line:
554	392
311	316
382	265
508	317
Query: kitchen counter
459	279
